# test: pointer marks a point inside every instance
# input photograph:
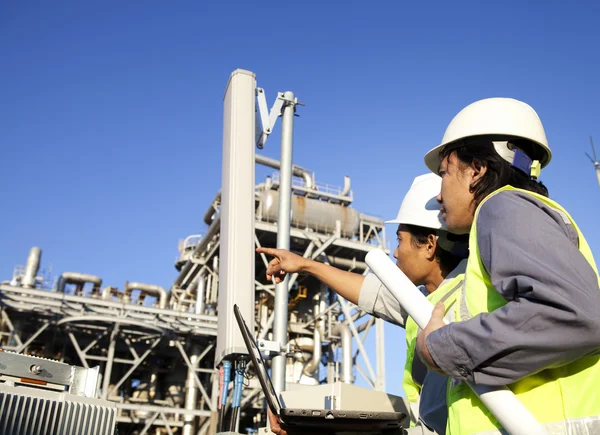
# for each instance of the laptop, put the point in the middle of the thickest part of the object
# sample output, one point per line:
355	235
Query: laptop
328	420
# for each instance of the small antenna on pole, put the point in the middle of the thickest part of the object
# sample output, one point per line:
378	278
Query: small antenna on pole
594	160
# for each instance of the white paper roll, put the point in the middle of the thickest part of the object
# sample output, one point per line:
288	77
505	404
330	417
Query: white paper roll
506	407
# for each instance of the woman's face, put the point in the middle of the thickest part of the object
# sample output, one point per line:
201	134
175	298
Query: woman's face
414	261
456	198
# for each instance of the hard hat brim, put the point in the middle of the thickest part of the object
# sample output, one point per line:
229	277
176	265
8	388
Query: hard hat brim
433	160
393	221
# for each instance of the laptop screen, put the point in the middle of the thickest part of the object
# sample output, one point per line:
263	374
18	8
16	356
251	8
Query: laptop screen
259	363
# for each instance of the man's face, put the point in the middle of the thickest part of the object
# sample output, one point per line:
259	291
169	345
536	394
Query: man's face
456	198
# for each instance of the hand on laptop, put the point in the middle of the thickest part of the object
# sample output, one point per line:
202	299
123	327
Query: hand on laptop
274	423
284	262
277	429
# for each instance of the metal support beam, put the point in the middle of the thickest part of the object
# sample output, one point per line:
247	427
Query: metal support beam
109	361
33	337
169	431
267	328
262	255
14	335
149	423
318	317
196	378
366	329
364	375
363	352
135	365
80	353
95	341
134	354
264	288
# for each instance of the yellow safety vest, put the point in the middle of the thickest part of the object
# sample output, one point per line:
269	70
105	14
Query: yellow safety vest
446	293
566	400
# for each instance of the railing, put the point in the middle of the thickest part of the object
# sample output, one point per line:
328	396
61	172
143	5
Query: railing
324	188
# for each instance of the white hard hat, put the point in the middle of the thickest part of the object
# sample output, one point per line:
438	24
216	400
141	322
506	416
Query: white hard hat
498	117
419	206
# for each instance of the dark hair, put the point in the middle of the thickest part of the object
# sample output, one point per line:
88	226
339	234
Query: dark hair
499	172
420	236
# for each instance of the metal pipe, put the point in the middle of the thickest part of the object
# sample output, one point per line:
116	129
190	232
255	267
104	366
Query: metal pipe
212	209
315	362
32	267
283	238
380	350
57	300
164	409
213	229
344	331
209	296
109	291
78	278
267	327
322	307
191	394
153	290
346	190
200	296
214	281
297	171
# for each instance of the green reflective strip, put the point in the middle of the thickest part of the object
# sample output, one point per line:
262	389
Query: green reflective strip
571	426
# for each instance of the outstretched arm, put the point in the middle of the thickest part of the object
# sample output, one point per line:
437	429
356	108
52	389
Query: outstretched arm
345	284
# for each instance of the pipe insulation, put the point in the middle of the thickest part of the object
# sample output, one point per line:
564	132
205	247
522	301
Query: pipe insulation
78	278
150	289
32	267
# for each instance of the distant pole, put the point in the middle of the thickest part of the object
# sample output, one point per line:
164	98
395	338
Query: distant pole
594	160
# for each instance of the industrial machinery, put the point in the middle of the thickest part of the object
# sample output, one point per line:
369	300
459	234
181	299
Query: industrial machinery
45	397
160	360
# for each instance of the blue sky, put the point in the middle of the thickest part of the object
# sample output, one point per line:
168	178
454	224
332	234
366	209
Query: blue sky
111	113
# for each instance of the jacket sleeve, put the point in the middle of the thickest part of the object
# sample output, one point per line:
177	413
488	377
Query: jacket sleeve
551	319
376	300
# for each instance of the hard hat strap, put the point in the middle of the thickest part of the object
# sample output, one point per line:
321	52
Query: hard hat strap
518	159
524	163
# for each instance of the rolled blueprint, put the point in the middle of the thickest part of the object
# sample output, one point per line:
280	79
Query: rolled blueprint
506	407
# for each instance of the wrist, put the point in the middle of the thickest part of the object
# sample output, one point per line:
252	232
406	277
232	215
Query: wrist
307	266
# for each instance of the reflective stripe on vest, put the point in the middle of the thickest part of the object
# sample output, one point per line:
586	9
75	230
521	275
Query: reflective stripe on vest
447	294
565	400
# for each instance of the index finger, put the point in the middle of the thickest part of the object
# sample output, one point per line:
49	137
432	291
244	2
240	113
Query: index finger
269	251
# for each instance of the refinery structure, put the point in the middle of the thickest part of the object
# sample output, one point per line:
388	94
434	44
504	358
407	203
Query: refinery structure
162	356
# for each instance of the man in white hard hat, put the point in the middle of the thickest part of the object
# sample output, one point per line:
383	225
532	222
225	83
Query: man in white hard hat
430	257
529	307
